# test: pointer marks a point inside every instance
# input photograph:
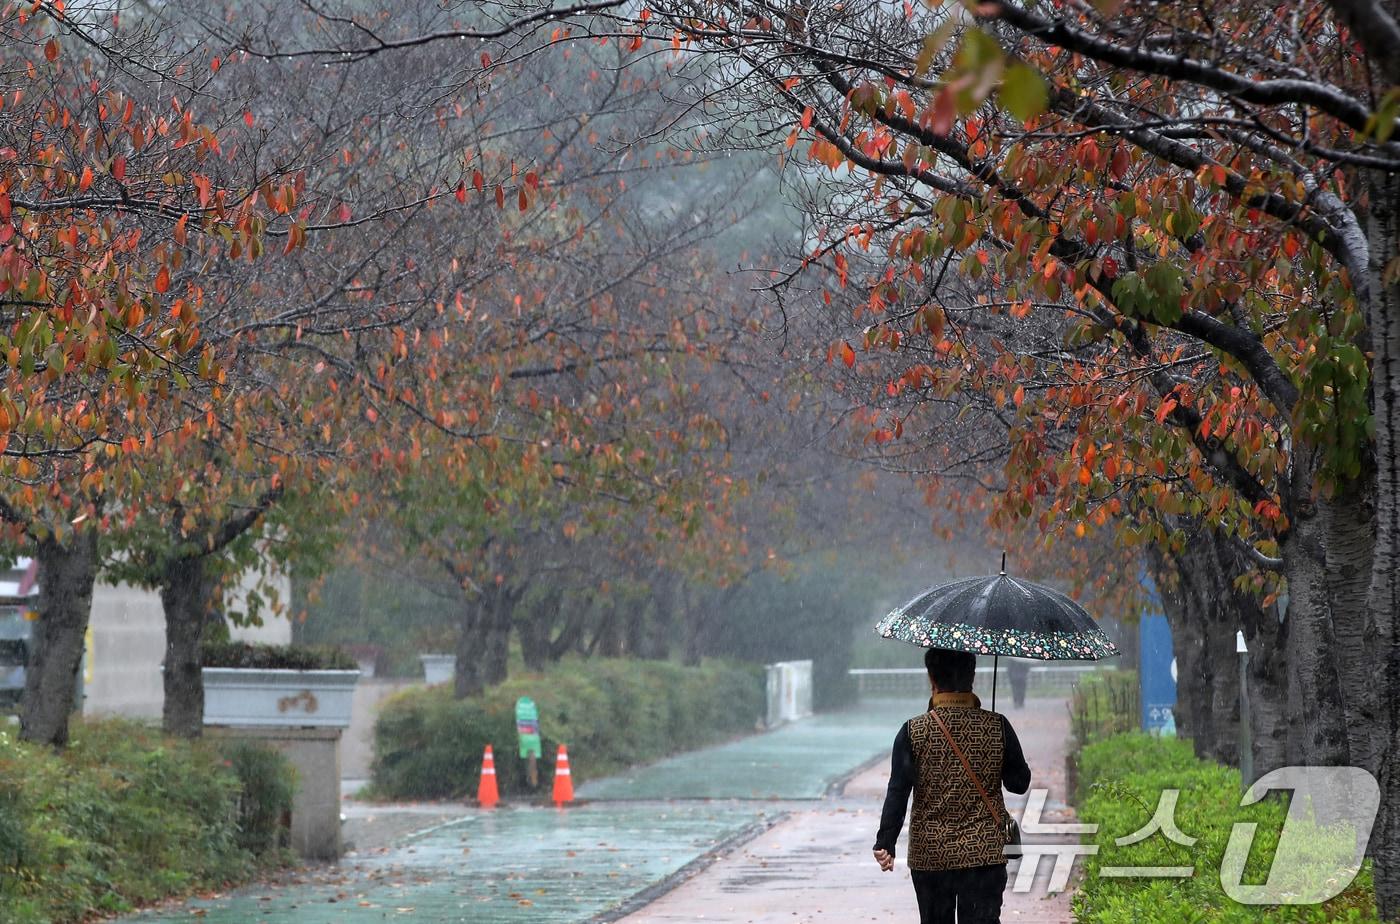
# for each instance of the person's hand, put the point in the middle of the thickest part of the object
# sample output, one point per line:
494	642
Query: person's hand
885	859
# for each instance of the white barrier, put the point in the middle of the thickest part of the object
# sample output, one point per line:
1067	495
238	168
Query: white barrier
1044	680
789	692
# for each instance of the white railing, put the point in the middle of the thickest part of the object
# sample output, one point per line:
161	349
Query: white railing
789	692
1045	680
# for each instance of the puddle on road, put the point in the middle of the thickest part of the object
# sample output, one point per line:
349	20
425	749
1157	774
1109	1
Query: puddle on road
515	865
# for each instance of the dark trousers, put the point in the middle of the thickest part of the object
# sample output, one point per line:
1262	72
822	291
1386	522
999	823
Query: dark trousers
975	892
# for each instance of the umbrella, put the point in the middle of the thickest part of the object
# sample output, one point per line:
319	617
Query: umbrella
1001	616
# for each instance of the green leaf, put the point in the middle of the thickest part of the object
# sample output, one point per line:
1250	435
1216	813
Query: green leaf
1382	121
1023	92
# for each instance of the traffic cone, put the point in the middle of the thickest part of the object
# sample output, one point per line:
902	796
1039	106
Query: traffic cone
486	793
563	779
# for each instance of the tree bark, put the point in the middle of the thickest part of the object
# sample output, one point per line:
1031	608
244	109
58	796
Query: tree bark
483	641
1266	636
500	614
1349	521
187	590
66	574
468	676
1317	729
1383	602
1190	590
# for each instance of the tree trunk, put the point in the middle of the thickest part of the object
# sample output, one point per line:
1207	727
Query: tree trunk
500	613
1349	519
66	573
469	676
1383	602
186	592
610	641
1317	728
1266	638
535	636
1187	592
483	641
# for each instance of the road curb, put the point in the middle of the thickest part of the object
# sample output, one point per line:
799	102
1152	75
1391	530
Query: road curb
639	900
838	786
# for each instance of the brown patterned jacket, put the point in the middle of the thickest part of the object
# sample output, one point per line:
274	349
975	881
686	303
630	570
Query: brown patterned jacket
949	826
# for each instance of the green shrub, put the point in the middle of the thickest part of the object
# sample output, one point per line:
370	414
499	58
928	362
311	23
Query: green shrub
1104	703
266	784
122	817
1121	781
276	657
612	713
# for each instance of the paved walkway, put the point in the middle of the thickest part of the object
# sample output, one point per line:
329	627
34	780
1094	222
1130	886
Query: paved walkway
545	866
797	761
816	866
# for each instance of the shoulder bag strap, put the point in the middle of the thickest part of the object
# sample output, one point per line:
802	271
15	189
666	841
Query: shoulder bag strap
948	736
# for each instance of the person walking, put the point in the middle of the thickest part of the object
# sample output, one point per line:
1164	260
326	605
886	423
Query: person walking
1020	673
955	758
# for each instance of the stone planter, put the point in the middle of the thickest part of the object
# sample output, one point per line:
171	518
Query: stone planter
438	668
244	698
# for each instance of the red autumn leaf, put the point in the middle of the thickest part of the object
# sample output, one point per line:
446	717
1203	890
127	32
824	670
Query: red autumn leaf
163	279
478	181
945	110
119	169
51	49
500	197
461	192
1119	165
248	117
85	180
848	355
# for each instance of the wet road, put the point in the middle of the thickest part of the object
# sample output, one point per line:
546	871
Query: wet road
592	861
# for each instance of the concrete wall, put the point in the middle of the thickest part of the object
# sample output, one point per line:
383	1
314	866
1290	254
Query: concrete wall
357	746
315	754
127	645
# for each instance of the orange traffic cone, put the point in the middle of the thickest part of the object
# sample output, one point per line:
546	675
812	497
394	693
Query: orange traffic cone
486	794
563	779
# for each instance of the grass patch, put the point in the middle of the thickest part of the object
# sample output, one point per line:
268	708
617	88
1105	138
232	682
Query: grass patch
1121	779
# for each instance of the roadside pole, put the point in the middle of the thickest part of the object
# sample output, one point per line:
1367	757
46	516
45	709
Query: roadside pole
1246	731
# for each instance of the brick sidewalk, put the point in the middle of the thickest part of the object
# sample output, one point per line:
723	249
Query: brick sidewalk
816	866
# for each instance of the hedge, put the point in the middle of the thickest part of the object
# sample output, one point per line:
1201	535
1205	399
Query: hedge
612	713
1121	780
124	817
260	656
1103	703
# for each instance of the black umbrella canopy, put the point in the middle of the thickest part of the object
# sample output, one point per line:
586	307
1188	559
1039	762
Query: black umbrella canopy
999	615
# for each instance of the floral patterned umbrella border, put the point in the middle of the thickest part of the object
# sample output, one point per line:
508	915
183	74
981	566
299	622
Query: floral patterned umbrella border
1013	643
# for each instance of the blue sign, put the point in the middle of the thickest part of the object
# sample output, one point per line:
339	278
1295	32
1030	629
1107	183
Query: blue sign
1157	674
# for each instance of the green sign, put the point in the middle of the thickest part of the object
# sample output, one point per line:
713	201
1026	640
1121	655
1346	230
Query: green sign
527	726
